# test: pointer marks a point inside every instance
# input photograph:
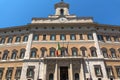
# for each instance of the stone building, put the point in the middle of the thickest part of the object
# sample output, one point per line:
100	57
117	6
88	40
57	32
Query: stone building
87	50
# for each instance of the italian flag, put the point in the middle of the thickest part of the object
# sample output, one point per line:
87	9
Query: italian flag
58	49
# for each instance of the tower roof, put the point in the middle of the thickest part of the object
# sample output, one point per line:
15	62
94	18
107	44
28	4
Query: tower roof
61	4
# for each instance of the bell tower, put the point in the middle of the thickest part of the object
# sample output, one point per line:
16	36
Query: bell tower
62	9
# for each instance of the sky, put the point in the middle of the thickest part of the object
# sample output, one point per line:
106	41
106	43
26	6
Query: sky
20	12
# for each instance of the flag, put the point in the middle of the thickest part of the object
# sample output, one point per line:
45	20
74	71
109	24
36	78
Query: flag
67	49
58	49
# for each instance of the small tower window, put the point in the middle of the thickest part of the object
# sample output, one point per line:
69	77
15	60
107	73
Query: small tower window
62	12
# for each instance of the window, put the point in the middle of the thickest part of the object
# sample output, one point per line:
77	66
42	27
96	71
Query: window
74	51
43	51
18	72
9	73
98	70
36	37
61	12
13	55
72	37
33	54
52	51
17	39
63	51
30	72
52	37
83	51
5	55
109	71
118	70
116	38
93	52
113	53
25	38
9	40
81	36
22	53
44	37
1	72
108	38
76	76
51	76
100	37
90	37
104	52
62	37
2	41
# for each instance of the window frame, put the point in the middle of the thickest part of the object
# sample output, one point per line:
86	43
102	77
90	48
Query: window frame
72	37
62	37
98	67
90	36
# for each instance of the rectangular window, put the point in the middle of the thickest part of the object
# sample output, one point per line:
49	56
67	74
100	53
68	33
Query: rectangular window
17	39
62	37
30	72
1	72
9	73
35	37
100	37
44	37
98	70
118	70
18	73
72	37
109	71
108	38
52	37
25	38
90	37
81	36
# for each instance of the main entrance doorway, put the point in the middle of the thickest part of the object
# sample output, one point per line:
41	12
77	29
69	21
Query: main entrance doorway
63	73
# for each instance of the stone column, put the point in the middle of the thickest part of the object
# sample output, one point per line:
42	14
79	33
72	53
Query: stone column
82	71
71	72
45	69
97	44
28	46
56	72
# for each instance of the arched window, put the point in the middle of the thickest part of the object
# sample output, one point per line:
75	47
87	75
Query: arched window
61	12
76	76
14	54
9	40
51	76
43	51
104	52
63	51
52	51
93	52
5	55
36	37
113	53
83	51
2	40
22	53
74	51
25	38
18	39
33	53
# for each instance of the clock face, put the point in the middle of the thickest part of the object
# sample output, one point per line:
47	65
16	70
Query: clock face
63	19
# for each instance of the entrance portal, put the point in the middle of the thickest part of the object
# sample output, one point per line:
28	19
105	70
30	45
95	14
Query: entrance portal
63	73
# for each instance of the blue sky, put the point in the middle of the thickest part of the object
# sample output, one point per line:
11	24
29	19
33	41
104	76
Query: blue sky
20	12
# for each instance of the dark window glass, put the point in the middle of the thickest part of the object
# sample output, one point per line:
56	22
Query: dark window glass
76	76
44	37
109	71
90	37
116	38
105	54
1	73
72	37
62	37
5	55
30	72
9	73
14	54
2	41
18	73
108	38
36	37
93	53
17	39
100	37
33	54
9	40
98	70
51	77
81	36
61	12
52	37
25	38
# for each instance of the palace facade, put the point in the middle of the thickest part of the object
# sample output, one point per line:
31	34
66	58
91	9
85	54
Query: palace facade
87	50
